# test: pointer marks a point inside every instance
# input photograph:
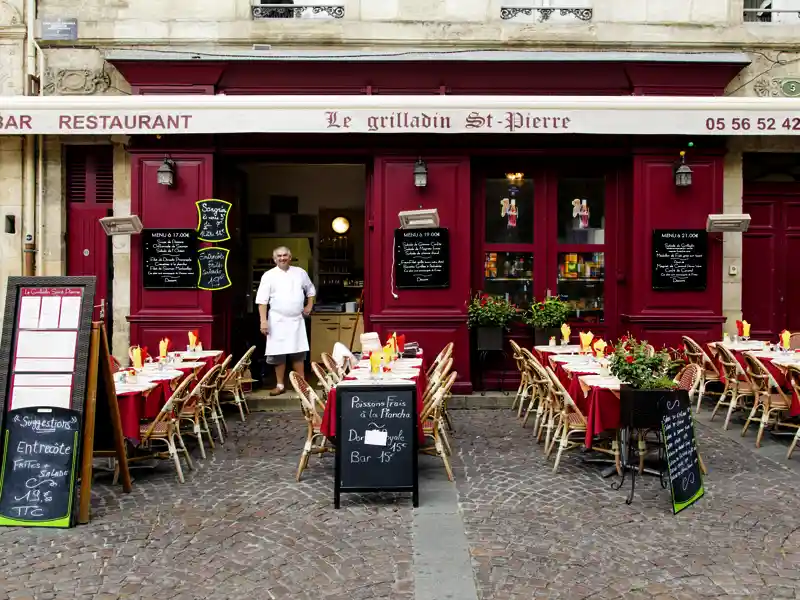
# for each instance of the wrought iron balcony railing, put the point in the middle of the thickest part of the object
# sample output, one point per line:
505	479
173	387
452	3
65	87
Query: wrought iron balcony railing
289	10
772	11
544	13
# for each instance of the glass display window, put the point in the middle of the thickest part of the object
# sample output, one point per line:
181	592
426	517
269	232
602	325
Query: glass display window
509	209
581	283
510	275
581	210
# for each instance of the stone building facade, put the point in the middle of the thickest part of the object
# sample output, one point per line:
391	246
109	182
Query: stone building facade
78	67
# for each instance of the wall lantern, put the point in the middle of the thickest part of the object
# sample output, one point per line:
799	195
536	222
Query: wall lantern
683	173
166	173
340	225
420	174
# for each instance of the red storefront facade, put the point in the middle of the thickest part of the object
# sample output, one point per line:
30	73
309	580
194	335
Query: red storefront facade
637	174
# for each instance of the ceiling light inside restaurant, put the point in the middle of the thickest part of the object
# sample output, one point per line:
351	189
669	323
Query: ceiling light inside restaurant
340	225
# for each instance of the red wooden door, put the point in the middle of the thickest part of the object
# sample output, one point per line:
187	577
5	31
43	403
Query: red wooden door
90	194
770	285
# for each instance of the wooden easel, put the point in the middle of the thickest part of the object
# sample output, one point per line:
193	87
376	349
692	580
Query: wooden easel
358	316
99	374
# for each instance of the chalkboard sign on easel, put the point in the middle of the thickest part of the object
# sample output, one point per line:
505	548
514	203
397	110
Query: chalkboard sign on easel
43	379
377	439
213	269
422	258
39	467
169	258
212	220
683	460
680	259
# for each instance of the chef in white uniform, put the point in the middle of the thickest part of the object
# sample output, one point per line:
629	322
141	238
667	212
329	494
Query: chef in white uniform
285	297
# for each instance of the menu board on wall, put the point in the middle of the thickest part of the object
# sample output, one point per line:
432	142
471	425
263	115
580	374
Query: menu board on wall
422	258
169	258
213	269
680	259
43	382
212	220
377	449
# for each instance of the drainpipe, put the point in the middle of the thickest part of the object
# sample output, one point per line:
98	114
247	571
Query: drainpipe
39	245
29	154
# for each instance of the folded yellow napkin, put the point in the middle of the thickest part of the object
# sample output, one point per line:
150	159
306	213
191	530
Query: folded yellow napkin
163	346
786	338
565	331
192	339
586	339
746	329
374	362
137	358
599	347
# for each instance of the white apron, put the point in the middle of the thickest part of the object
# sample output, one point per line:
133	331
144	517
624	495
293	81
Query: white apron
287	327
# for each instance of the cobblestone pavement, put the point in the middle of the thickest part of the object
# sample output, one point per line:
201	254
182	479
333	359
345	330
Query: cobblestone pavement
241	527
533	534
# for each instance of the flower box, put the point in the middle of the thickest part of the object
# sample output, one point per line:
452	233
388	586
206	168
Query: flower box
489	339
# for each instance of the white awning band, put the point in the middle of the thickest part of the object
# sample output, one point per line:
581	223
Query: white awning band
182	114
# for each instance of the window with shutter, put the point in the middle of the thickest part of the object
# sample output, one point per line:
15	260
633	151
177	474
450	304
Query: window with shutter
90	174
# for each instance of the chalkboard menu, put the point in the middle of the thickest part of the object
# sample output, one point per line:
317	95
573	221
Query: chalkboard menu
212	220
169	258
37	485
213	268
681	448
377	439
680	259
422	258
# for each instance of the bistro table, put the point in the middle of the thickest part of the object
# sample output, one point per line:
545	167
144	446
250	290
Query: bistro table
602	404
545	352
404	370
790	359
144	398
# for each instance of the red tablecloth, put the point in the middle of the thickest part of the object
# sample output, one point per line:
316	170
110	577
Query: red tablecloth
136	406
328	426
602	412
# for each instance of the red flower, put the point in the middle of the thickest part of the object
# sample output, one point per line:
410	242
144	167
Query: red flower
623	339
483	302
484	296
629	359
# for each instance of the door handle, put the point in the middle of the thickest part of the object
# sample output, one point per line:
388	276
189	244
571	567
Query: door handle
102	307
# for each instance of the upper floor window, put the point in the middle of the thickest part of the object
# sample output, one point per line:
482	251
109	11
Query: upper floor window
772	11
546	11
296	9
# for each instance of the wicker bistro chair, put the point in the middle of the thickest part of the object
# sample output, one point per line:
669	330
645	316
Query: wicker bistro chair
708	370
193	412
793	377
738	386
434	427
435	381
540	390
442	357
794	341
323	377
568	421
336	373
524	384
769	398
214	406
164	430
315	443
232	384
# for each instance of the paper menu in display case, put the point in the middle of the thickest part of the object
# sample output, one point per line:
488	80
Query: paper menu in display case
45	347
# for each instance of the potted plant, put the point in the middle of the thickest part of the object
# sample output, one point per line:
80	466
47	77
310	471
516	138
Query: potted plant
646	386
546	318
490	316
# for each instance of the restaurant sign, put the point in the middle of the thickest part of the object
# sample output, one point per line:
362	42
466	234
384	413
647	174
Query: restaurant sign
104	115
